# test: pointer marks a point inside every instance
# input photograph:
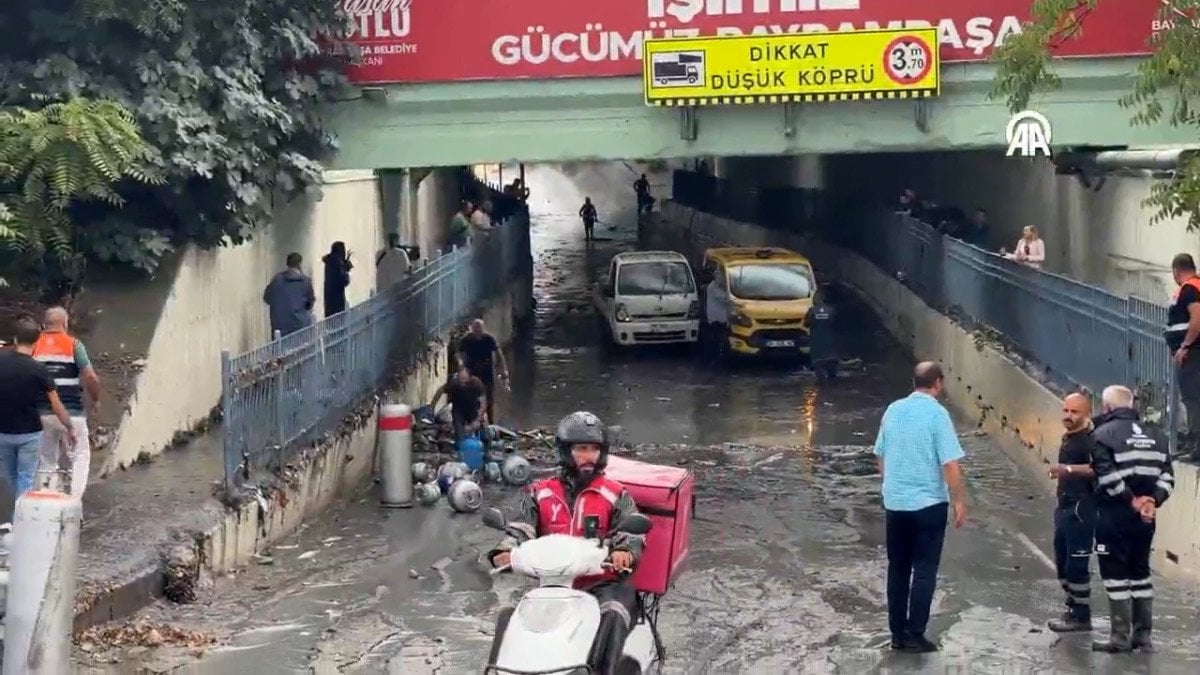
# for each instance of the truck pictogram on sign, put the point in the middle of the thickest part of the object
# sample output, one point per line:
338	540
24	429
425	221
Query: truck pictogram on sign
678	69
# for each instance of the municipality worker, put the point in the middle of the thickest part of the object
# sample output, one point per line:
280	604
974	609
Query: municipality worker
1075	517
1134	478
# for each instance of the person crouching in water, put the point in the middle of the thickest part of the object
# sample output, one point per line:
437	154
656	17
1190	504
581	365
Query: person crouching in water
583	502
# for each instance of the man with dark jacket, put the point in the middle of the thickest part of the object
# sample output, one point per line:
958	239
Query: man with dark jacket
1134	478
290	297
1075	517
822	343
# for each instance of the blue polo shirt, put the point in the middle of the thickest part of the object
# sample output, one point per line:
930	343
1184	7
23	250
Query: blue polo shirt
916	438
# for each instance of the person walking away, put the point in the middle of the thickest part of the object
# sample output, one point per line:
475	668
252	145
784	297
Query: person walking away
24	384
822	342
588	213
337	277
480	352
645	201
468	399
392	264
1183	330
1075	516
1030	249
582	501
918	454
290	298
67	360
1134	478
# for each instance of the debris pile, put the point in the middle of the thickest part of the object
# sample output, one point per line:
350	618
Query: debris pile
142	633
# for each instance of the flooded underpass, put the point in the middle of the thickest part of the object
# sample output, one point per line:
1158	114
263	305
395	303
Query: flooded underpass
787	562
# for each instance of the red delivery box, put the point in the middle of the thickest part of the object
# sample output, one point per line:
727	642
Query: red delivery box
664	493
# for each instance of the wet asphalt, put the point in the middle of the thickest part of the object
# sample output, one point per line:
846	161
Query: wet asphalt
787	568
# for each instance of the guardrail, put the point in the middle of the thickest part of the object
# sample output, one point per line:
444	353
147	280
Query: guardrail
1082	335
293	390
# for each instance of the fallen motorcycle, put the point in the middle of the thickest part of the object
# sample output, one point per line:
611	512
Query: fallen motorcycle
553	628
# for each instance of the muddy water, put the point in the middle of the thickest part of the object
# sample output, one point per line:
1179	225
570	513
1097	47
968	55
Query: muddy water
787	565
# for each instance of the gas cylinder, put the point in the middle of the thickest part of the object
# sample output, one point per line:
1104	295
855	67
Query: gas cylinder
428	494
465	496
450	472
423	473
491	472
516	470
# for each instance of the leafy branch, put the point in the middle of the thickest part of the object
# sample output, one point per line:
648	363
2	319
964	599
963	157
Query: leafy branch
56	157
1171	72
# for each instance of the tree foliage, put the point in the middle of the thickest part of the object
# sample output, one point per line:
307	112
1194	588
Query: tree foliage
1164	89
227	94
55	157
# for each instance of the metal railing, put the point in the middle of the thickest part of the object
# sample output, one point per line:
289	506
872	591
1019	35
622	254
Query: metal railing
1081	335
293	390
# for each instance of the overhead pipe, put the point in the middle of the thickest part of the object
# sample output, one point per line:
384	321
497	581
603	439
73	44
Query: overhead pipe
1168	159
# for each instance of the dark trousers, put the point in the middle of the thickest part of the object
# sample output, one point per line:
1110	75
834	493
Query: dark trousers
914	548
1189	394
825	369
489	388
1123	551
1074	526
618	612
588	227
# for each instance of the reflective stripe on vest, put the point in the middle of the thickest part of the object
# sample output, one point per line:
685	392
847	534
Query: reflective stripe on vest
56	350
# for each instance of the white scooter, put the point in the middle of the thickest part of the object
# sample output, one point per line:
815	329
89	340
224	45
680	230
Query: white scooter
553	628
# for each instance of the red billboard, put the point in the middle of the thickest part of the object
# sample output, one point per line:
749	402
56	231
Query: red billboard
456	40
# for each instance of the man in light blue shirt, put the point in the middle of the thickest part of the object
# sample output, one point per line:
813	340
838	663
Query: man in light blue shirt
918	452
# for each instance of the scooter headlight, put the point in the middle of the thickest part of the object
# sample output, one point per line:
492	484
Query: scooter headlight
548	615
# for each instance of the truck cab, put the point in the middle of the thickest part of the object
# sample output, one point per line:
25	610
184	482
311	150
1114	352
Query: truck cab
649	297
756	301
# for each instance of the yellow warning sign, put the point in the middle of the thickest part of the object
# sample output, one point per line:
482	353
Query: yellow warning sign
843	66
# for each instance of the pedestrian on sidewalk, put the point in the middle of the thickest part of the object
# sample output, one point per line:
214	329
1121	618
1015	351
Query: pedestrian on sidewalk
918	454
480	352
24	385
290	297
1075	517
338	265
1183	330
67	360
1135	478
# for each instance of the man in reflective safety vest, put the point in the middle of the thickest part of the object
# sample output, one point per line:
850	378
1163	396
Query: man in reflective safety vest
581	501
69	365
1183	330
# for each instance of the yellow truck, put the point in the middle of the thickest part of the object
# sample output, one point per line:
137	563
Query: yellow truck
756	301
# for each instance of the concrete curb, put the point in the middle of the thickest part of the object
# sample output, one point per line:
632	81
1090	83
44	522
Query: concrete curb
1017	411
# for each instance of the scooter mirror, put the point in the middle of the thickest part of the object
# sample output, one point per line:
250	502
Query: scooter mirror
494	519
635	524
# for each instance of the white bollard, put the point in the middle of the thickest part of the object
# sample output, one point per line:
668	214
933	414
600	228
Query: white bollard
395	465
43	563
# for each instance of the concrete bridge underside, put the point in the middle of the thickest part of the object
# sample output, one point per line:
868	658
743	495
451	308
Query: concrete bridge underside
606	119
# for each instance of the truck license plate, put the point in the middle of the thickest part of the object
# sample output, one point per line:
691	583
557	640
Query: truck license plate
781	343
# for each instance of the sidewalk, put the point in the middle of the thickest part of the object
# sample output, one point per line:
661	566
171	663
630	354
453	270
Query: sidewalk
133	518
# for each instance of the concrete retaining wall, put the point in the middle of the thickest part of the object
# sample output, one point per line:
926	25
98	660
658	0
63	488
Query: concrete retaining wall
1017	411
214	301
347	462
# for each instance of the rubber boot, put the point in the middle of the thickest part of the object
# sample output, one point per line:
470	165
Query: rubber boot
1121	612
1143	621
1069	623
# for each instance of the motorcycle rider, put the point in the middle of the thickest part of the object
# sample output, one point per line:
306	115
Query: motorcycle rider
583	502
1133	477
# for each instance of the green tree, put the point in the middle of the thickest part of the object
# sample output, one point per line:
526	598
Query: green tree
228	94
54	158
1164	88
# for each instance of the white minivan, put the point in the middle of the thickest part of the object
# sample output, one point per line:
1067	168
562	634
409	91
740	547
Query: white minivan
649	298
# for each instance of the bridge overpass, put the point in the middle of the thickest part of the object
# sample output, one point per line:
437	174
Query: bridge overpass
454	82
